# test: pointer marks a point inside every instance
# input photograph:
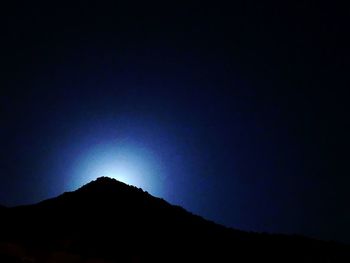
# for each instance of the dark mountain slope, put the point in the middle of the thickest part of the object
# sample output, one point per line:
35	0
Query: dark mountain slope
109	221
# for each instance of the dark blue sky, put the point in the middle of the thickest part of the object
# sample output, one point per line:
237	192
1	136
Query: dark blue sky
238	113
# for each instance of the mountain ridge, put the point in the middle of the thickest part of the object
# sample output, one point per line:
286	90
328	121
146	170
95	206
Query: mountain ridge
110	220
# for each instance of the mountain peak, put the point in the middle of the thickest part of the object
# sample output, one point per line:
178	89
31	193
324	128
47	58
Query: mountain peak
110	190
105	179
104	182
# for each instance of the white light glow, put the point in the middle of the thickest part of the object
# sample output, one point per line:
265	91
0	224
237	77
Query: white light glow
129	164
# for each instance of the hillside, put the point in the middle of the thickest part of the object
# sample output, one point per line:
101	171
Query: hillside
109	221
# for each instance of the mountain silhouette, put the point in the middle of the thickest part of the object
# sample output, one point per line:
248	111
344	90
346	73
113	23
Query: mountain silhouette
109	221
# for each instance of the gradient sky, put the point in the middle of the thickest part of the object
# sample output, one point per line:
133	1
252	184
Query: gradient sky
238	113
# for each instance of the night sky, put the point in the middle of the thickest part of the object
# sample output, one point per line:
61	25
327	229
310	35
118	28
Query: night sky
237	113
